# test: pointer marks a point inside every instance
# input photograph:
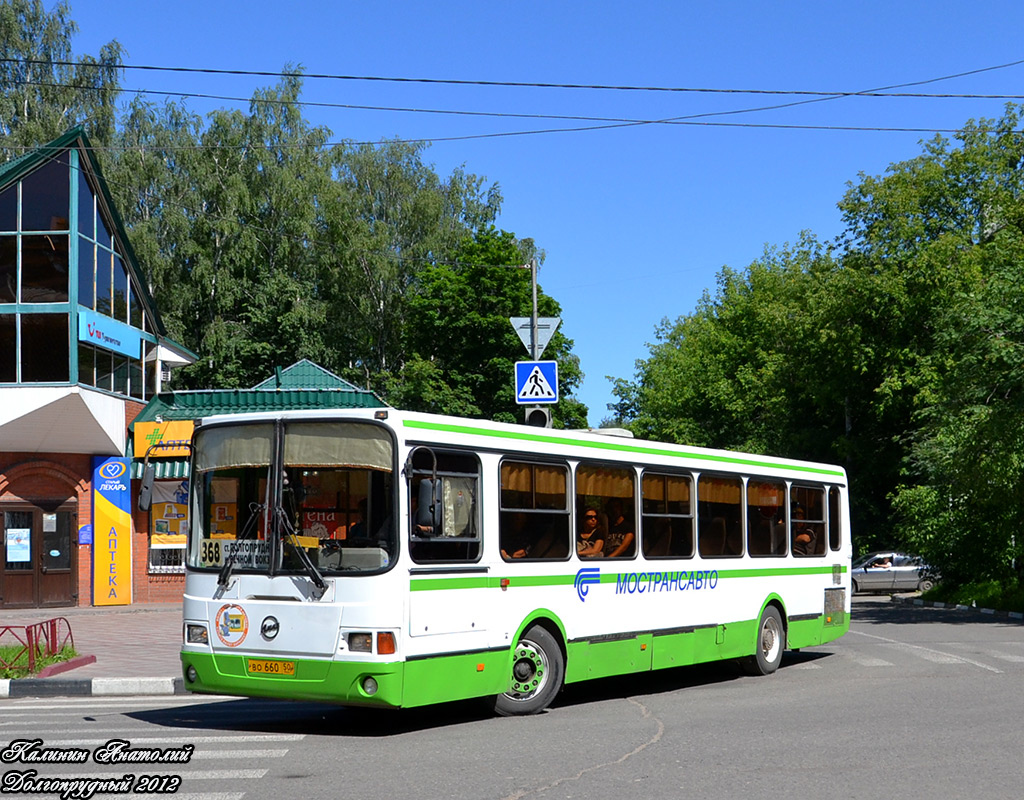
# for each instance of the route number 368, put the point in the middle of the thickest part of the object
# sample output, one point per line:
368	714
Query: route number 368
210	552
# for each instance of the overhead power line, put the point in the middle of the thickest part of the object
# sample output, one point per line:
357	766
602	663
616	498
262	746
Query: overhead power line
521	84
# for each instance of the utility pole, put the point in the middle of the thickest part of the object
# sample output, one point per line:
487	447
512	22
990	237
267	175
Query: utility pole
533	328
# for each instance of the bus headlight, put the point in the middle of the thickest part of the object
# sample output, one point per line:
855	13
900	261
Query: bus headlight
191	674
196	634
370	686
360	642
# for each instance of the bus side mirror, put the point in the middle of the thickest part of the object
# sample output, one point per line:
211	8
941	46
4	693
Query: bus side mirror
146	490
428	511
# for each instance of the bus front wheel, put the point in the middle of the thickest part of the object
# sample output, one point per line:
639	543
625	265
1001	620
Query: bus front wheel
537	671
771	641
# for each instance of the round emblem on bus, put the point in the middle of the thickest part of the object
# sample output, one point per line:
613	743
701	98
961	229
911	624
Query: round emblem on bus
231	625
270	627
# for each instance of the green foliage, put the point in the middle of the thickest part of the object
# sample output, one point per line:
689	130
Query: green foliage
467	307
17	657
42	98
898	352
262	244
998	595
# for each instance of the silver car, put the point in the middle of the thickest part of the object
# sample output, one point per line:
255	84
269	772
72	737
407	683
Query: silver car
891	572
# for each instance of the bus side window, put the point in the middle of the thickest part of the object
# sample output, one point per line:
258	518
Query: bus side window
719	518
444	512
807	520
766	518
609	492
534	518
667	529
835	525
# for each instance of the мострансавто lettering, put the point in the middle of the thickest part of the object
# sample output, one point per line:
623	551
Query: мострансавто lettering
641	582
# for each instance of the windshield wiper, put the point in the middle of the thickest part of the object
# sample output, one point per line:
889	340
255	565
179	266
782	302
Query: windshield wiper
229	563
307	563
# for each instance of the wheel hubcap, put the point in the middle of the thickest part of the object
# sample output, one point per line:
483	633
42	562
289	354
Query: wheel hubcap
529	671
771	640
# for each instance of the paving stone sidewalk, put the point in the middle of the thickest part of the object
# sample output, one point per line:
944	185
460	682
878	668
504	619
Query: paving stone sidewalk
135	648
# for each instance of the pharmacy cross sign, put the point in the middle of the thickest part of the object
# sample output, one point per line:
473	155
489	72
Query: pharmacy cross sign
536	382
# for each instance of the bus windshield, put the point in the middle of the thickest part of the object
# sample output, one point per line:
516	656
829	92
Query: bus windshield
293	497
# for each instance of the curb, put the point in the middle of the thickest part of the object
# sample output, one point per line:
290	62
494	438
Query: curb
90	687
916	601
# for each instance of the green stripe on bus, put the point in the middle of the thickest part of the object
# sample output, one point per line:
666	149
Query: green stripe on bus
615	446
519	581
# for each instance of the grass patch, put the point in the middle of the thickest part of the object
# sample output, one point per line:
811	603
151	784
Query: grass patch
983	594
20	667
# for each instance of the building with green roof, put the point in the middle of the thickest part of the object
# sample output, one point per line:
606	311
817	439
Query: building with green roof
82	349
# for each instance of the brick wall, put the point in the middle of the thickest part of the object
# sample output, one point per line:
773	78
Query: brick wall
146	588
63	475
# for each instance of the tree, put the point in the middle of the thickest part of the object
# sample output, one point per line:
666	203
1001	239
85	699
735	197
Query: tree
45	88
462	348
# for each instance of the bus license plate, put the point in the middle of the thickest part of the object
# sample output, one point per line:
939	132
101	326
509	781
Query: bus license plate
261	666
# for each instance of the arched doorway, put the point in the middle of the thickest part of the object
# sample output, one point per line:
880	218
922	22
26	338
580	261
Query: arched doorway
38	557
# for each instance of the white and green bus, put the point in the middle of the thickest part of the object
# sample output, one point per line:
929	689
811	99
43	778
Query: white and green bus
393	559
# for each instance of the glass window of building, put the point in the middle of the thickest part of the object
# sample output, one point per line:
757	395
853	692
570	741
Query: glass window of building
9	208
44	348
86	273
120	290
86	210
44	269
45	197
86	364
104	369
8	269
8	348
104	290
102	234
120	374
135	317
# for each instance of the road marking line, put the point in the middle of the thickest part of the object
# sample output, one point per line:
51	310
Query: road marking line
211	755
137	740
192	796
869	661
184	774
929	654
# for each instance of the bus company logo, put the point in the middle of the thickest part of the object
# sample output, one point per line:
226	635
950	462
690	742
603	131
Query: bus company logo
584	578
113	470
231	625
269	628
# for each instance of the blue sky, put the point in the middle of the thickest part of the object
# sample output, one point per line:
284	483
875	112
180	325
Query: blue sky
635	221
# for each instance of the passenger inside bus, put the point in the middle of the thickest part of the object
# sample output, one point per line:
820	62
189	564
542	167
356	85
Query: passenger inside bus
590	540
803	536
515	541
619	539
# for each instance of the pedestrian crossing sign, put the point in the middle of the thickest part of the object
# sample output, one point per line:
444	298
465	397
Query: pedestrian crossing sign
536	382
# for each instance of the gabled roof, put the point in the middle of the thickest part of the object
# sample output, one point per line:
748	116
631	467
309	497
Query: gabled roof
207	402
76	138
304	374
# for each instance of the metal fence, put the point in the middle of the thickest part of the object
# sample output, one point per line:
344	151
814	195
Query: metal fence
37	641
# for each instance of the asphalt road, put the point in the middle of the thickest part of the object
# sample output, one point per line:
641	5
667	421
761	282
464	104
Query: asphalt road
913	702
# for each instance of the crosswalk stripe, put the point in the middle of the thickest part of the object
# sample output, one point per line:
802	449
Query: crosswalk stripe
869	661
191	796
928	653
140	740
184	774
212	755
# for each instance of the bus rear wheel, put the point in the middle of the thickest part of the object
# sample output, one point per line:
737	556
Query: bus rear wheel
771	641
537	671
